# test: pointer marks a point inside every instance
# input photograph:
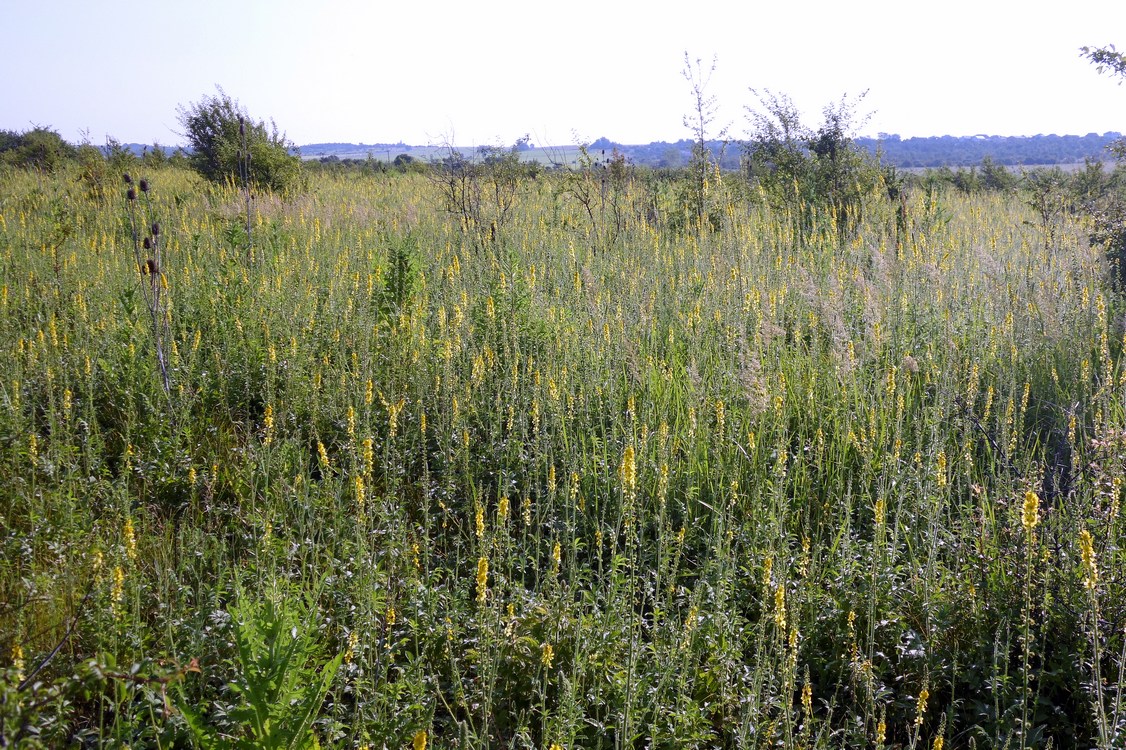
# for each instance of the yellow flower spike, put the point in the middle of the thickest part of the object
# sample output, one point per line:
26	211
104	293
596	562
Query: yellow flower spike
547	655
419	741
367	454
628	473
482	579
18	663
117	590
129	539
921	706
1030	511
807	696
350	651
268	424
1089	562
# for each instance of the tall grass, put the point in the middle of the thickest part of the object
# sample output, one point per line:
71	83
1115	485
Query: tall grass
684	489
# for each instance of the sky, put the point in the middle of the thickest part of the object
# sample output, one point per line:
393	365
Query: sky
432	72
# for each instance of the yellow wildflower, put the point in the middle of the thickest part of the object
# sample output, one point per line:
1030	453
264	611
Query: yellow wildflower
129	539
780	607
117	592
17	662
350	651
921	708
268	422
367	450
628	473
547	654
482	579
1030	512
1090	565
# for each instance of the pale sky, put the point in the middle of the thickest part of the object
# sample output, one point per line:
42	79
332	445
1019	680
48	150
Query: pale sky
433	71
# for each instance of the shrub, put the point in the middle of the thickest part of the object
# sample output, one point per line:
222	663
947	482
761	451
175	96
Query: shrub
806	171
39	148
228	145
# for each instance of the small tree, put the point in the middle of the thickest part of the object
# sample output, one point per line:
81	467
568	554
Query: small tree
805	171
703	167
1109	211
228	145
481	191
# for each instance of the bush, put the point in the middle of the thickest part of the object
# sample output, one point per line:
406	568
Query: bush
804	171
39	148
228	145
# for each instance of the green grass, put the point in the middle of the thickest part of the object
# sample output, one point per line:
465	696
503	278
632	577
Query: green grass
720	489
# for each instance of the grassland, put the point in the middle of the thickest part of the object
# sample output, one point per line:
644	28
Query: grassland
553	486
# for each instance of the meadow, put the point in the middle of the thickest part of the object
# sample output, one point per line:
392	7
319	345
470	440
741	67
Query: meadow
590	476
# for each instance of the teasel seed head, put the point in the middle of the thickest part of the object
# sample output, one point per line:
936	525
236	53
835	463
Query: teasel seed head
155	229
131	194
128	179
144	184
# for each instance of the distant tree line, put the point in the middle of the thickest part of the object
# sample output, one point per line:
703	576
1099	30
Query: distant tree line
951	151
904	153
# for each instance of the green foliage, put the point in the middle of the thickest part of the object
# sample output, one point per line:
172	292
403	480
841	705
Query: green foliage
402	278
604	193
280	678
229	147
1106	60
812	174
1108	211
406	163
40	148
154	156
480	191
704	195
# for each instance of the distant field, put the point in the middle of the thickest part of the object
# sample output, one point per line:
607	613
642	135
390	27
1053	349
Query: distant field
564	155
